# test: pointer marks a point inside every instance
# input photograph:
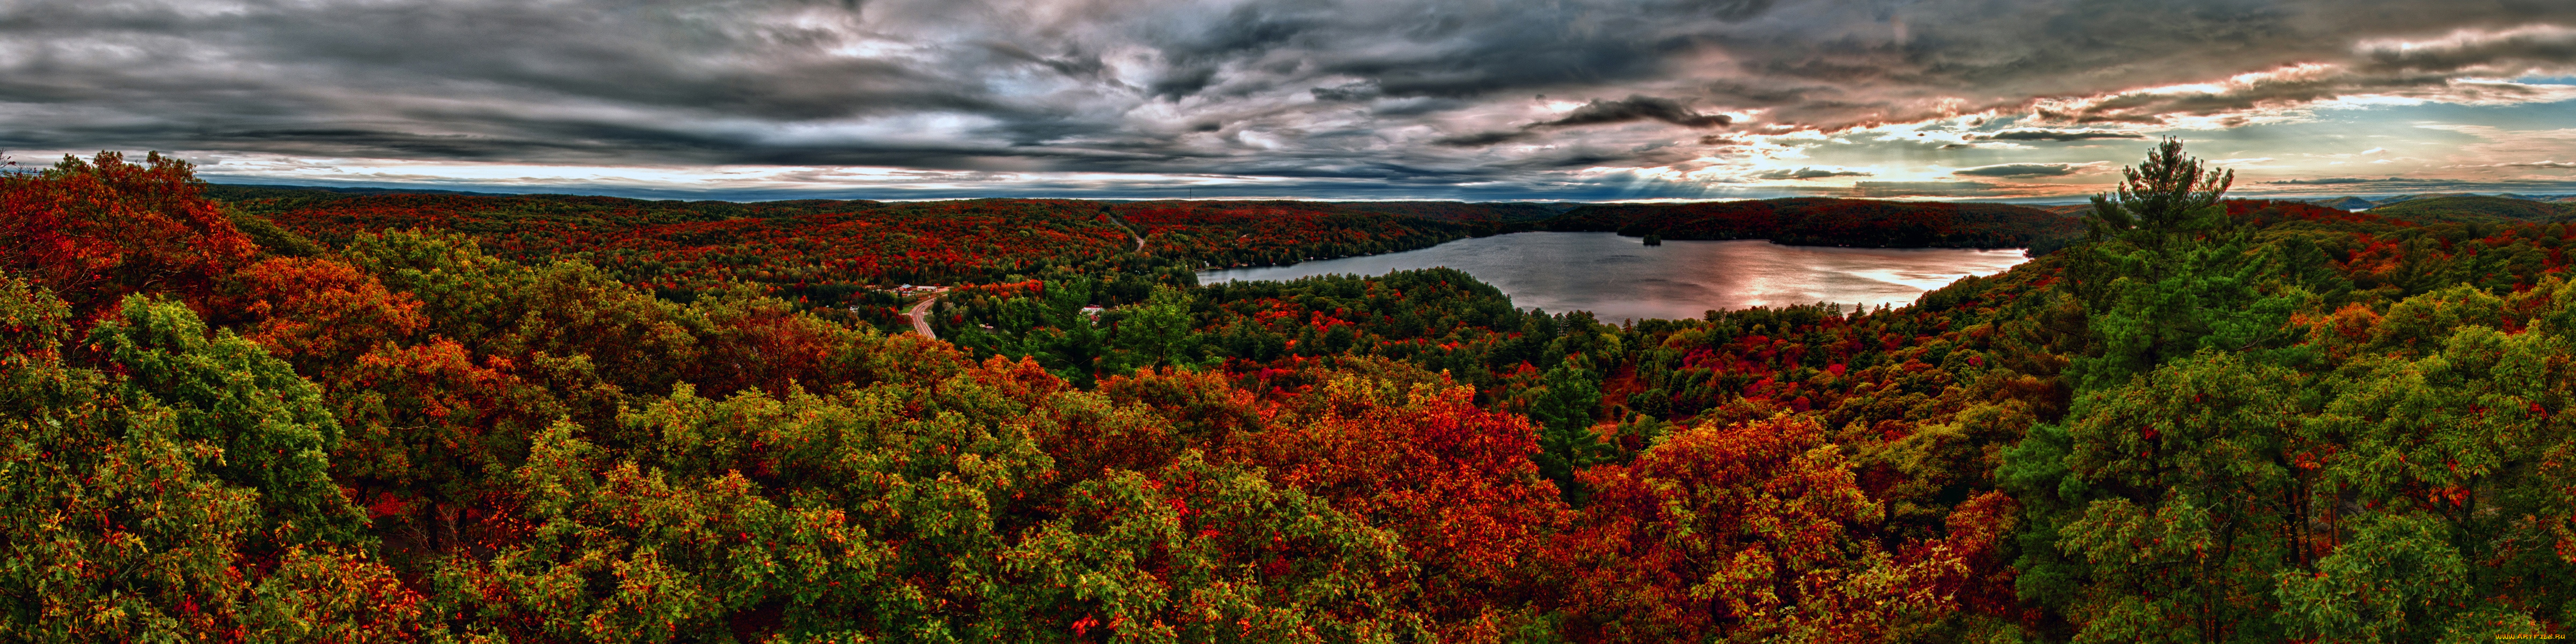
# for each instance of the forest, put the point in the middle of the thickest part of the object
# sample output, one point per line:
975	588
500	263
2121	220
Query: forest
250	415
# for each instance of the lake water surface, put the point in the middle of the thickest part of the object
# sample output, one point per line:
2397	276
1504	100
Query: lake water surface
1620	278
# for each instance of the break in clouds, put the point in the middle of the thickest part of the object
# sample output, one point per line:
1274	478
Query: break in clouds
1531	98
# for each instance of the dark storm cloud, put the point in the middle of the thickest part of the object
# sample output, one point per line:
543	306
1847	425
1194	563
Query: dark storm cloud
1638	108
2333	181
2020	170
1480	139
1347	92
1597	112
1384	90
1808	173
1431	48
1894	189
2056	135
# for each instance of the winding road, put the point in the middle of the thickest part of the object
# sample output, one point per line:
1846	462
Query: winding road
1131	230
920	311
920	314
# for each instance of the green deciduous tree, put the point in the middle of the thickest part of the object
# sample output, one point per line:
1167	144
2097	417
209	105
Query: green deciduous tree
272	425
181	502
2187	462
1159	332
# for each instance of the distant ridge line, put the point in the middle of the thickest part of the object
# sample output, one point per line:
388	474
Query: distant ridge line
375	191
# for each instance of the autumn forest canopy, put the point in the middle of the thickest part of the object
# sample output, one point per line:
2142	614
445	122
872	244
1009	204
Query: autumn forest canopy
256	414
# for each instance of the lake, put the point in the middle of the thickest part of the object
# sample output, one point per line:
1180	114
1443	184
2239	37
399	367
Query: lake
1619	278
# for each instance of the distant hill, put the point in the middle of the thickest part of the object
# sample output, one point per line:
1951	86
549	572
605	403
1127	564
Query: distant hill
263	190
1465	212
1492	213
1820	221
2473	208
483	212
2346	203
1449	211
2424	196
2349	202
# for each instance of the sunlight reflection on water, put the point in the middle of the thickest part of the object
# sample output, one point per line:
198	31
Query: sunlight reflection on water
1619	278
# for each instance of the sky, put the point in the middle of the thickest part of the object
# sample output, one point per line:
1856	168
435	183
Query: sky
1479	100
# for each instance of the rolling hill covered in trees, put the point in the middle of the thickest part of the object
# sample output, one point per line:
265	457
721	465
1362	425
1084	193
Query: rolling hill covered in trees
2476	207
462	417
1823	221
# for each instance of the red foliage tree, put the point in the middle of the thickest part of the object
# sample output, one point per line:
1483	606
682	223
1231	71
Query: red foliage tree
95	231
1455	483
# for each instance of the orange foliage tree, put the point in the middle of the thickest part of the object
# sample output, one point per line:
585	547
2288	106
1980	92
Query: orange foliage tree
1754	531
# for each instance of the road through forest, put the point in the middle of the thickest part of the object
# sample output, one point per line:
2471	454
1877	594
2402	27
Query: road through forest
920	314
1131	230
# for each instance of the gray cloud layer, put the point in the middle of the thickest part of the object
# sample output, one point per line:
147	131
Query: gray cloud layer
1419	93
